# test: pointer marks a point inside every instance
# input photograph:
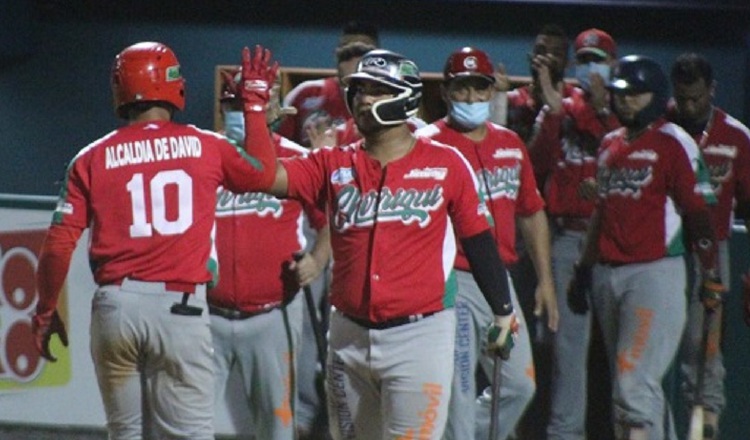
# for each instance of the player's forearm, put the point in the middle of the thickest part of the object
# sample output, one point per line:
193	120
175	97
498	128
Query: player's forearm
535	232
259	145
54	262
488	271
321	250
590	252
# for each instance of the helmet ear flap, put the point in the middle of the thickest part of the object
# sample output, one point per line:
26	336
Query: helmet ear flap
395	71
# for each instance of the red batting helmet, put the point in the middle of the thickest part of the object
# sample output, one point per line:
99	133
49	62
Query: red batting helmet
468	61
144	72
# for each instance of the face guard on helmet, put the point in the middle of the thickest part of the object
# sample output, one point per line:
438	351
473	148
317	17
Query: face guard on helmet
469	61
636	74
395	71
147	72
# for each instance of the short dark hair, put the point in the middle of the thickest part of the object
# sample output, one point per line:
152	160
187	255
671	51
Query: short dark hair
553	30
689	67
354	28
556	31
354	49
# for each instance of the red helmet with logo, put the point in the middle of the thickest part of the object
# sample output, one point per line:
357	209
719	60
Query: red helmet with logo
468	61
147	71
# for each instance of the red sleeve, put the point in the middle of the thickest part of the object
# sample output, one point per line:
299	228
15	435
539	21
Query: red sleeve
54	262
545	144
258	143
306	176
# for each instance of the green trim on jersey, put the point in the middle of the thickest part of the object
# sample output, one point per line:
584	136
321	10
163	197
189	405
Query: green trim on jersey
451	290
703	181
250	159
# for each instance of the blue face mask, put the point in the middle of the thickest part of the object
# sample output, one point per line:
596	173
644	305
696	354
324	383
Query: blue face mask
234	125
584	71
470	115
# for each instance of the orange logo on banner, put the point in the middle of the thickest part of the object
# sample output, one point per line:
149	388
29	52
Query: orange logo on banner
20	364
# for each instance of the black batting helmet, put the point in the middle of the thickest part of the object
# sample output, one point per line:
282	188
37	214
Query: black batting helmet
395	71
635	74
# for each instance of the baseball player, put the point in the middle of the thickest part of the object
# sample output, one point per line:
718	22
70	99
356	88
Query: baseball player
724	143
147	191
256	316
645	179
568	133
395	202
320	104
502	167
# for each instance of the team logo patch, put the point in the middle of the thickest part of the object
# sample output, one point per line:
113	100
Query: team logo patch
508	153
427	173
729	151
64	207
173	73
342	176
471	63
591	40
648	155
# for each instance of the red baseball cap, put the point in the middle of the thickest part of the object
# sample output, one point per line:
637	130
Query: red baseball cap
468	61
596	41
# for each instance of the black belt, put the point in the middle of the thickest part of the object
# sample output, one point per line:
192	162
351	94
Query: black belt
395	322
234	315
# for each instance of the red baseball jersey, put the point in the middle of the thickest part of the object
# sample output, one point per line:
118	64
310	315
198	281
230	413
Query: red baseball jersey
316	101
392	228
505	178
725	146
257	236
565	145
147	193
644	187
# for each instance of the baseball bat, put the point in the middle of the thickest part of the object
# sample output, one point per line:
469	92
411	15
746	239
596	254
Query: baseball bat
495	404
696	416
320	342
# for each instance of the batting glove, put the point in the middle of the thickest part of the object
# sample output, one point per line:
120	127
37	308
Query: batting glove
43	326
712	291
501	335
746	296
579	289
257	79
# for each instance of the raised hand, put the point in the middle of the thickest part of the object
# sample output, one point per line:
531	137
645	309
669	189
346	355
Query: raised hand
257	79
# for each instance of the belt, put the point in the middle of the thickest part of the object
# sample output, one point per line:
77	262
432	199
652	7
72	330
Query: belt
579	224
171	286
235	315
389	323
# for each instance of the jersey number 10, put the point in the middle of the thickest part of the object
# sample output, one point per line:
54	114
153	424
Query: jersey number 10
158	210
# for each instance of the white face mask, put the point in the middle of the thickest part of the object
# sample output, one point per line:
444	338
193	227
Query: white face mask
584	71
470	115
234	125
